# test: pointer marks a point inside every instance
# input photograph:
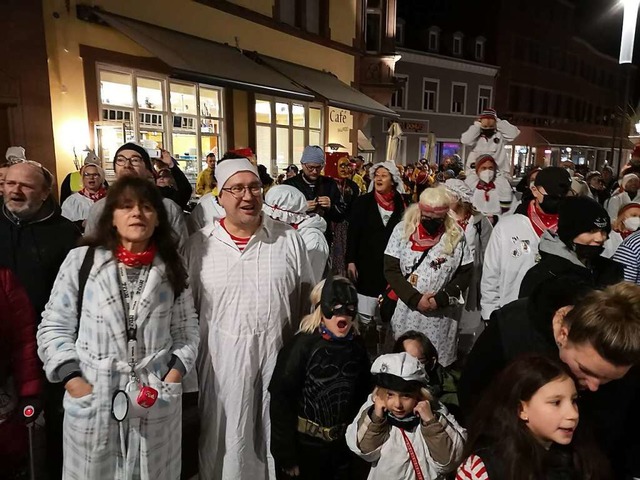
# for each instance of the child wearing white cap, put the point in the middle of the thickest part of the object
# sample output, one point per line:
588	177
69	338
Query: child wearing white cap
401	429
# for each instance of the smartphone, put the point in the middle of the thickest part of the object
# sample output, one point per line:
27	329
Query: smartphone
154	152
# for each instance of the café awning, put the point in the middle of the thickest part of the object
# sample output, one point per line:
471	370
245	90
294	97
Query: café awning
206	61
327	86
364	144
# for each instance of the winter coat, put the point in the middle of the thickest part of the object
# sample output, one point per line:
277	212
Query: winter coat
512	250
434	274
477	233
324	381
97	344
523	327
35	249
367	239
249	303
174	213
20	370
391	460
557	260
494	146
312	232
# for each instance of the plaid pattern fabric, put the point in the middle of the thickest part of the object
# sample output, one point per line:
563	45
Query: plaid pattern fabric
166	326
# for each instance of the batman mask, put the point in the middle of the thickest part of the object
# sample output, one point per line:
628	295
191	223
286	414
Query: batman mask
339	297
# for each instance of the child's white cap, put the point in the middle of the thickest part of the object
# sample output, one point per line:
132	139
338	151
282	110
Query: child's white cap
399	372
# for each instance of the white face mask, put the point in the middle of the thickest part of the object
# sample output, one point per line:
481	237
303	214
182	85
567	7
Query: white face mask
632	223
487	175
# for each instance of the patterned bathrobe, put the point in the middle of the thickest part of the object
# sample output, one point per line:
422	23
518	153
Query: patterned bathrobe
166	326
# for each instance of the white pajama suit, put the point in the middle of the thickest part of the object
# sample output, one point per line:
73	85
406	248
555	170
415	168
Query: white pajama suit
249	303
165	326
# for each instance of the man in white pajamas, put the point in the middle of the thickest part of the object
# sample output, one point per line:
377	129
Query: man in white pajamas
251	281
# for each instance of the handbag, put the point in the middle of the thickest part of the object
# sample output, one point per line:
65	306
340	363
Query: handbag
389	300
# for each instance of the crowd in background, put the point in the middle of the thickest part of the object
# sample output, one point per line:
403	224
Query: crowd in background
309	326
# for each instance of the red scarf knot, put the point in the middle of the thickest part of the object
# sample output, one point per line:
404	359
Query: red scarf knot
541	221
486	187
101	193
421	240
385	200
131	259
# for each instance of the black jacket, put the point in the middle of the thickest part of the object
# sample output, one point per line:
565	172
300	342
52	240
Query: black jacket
519	328
367	239
557	260
320	380
35	249
324	187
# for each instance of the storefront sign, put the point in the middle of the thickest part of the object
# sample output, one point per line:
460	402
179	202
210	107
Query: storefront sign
340	125
411	126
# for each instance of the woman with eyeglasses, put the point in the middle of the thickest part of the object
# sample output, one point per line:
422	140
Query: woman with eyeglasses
76	207
121	341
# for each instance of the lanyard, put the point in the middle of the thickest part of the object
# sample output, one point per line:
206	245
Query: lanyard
412	456
131	302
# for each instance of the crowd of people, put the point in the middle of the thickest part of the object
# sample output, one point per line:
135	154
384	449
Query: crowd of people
308	327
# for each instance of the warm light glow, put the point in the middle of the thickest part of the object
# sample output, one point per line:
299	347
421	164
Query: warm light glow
628	30
638	128
74	133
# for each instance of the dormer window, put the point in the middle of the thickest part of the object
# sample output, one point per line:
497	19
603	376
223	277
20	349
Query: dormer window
479	50
434	39
457	44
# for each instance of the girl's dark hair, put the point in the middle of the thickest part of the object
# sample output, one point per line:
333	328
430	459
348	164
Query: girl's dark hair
106	236
428	348
496	426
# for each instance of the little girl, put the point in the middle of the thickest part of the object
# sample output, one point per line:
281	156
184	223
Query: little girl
320	379
401	430
525	428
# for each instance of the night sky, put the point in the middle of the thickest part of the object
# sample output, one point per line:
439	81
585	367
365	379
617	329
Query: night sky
600	22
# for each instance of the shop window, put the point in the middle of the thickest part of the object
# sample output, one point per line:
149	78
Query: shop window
399	97
458	97
185	118
283	129
484	98
430	95
457	43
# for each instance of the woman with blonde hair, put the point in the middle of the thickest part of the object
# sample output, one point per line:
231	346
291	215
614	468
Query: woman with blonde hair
320	380
428	265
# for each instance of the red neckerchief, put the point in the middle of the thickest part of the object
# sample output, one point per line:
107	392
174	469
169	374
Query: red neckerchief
101	193
625	233
463	222
384	200
487	187
131	259
421	240
541	221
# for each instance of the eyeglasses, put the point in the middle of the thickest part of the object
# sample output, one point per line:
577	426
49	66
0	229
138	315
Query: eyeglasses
315	168
91	175
238	190
134	160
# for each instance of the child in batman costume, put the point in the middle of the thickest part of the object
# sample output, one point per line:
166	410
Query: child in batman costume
320	380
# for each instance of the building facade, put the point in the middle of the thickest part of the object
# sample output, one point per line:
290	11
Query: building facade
439	97
203	76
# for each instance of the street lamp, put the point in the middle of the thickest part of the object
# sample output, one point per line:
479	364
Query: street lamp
628	30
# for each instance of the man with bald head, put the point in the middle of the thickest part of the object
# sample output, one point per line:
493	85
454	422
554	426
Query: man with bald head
34	241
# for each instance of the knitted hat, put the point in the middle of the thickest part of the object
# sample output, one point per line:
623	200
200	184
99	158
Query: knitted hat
228	168
578	215
313	154
556	181
489	113
482	159
139	150
399	372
